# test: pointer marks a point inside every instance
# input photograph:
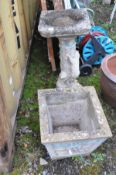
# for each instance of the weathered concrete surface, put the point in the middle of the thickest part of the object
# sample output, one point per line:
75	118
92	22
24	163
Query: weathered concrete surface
64	23
69	63
71	123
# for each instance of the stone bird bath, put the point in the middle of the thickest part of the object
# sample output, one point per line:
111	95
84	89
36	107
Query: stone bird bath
72	121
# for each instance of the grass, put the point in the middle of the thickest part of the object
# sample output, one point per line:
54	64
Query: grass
39	76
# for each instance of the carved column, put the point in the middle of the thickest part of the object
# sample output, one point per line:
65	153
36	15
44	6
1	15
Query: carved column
69	63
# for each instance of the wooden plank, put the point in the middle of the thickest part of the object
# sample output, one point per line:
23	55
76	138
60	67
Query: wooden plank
5	132
49	42
31	13
6	162
35	7
4	120
58	4
27	19
23	26
39	2
43	4
51	54
11	42
20	46
7	123
6	77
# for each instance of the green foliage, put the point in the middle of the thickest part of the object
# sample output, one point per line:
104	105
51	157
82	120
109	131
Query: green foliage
106	26
40	168
93	80
91	170
94	158
96	1
91	164
98	157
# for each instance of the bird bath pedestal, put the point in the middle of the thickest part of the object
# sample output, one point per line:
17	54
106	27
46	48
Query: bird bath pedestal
66	25
72	121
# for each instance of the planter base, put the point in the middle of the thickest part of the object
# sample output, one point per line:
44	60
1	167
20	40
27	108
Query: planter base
71	123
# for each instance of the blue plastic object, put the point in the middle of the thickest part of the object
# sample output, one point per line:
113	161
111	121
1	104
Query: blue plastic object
79	39
93	29
106	43
99	29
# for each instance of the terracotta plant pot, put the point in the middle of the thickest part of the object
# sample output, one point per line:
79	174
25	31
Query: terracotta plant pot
108	79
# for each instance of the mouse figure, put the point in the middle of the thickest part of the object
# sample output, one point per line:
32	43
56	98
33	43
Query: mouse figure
69	63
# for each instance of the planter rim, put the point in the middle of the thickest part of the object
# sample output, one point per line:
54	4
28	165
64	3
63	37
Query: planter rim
46	137
105	69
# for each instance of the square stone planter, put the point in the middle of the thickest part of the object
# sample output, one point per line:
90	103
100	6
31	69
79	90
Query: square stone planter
71	123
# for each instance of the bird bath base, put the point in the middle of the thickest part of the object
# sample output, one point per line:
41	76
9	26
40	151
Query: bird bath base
71	123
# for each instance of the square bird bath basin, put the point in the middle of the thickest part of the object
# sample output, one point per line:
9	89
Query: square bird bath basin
71	123
64	23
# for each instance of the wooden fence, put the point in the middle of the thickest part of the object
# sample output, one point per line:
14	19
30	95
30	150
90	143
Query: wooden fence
16	29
